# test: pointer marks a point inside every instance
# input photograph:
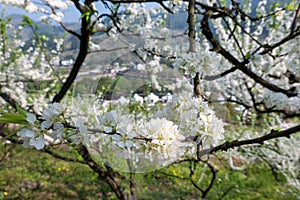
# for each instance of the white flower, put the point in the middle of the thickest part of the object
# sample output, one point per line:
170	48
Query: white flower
32	137
30	7
51	115
82	130
57	17
165	140
57	132
25	133
125	135
38	142
110	120
31	118
121	141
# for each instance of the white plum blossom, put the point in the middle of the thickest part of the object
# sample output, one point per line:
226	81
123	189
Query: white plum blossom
51	115
32	134
82	131
38	143
167	133
165	143
57	17
30	7
57	132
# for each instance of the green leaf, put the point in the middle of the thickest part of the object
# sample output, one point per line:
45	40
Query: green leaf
87	15
12	118
21	111
27	21
291	6
247	56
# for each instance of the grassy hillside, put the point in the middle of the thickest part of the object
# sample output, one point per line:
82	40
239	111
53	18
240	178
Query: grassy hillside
29	174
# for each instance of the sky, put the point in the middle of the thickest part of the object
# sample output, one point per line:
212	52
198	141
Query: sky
71	14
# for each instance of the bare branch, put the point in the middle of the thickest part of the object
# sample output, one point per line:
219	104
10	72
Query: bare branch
191	23
296	19
260	140
83	52
165	7
69	30
240	65
55	155
103	174
214	77
269	48
8	99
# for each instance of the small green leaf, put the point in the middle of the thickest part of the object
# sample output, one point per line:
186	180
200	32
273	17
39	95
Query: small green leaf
21	111
27	21
291	6
247	56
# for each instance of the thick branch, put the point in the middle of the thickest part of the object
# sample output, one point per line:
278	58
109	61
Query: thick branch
83	51
103	174
78	5
296	19
197	89
191	23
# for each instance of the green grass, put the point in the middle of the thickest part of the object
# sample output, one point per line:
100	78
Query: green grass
30	174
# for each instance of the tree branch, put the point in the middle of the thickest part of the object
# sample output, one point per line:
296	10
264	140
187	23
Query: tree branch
103	174
260	140
83	52
240	65
214	77
269	48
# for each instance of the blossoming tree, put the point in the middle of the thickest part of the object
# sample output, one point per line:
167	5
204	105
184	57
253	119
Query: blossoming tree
231	55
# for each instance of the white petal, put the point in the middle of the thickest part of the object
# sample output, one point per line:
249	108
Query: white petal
121	144
116	137
46	124
46	114
31	118
108	130
28	133
101	119
39	143
129	144
58	126
26	143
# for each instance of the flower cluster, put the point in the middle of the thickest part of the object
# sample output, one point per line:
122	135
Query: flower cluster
165	140
32	135
50	129
165	134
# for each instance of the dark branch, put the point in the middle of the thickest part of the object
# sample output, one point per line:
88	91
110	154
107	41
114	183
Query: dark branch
240	65
269	48
83	52
103	174
260	140
214	77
